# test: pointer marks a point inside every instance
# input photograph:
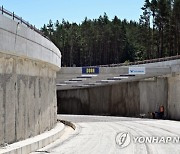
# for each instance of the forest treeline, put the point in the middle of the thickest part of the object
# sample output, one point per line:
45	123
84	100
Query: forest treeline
104	41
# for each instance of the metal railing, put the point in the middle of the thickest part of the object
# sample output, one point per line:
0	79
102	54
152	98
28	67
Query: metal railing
143	62
13	16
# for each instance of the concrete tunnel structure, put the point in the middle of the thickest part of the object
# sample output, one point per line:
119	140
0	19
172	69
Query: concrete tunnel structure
28	66
127	97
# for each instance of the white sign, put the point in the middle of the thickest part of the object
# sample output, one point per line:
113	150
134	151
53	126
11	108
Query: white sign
137	70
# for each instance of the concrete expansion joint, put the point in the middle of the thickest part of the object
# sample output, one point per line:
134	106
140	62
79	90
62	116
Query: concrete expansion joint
32	144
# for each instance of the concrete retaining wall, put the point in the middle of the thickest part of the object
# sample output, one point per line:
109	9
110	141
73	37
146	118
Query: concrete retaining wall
28	65
28	100
123	99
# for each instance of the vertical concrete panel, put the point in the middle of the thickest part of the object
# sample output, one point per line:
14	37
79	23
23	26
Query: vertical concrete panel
75	102
31	106
1	116
51	103
37	106
44	99
8	65
10	109
21	109
20	45
105	95
48	104
48	123
174	97
61	102
85	101
54	104
118	102
132	99
153	93
2	98
162	93
25	101
42	106
8	40
2	62
95	103
144	106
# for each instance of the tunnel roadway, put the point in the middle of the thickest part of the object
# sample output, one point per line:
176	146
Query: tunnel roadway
97	134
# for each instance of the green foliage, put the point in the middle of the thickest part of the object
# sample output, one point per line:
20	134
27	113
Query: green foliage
101	41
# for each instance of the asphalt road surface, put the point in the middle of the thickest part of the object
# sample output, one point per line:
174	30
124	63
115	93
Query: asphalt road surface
111	135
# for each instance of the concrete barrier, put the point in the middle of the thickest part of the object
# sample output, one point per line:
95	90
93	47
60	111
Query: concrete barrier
28	65
32	144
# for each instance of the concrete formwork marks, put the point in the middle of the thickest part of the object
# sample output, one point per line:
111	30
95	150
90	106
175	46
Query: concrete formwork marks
27	101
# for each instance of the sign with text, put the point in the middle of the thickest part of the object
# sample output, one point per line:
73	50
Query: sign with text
90	70
137	70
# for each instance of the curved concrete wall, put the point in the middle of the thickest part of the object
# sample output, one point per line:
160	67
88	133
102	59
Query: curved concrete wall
19	40
28	65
